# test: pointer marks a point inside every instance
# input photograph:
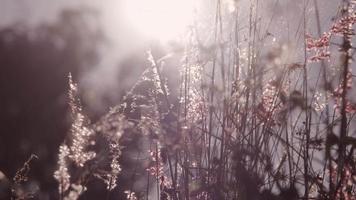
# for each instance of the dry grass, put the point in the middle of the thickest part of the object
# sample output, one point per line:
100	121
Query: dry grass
248	123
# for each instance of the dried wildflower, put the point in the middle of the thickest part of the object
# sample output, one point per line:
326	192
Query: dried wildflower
320	56
193	101
78	149
150	119
112	126
80	132
337	94
20	178
344	26
322	42
156	166
22	174
80	142
270	102
61	174
346	189
319	101
269	97
166	191
156	79
319	46
110	177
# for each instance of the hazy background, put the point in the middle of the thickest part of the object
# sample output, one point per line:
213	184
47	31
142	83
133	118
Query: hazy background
41	42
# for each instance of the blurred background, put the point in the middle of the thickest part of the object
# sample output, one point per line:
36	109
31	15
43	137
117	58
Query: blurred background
42	41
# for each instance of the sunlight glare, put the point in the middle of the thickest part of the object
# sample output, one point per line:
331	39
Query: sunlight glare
160	19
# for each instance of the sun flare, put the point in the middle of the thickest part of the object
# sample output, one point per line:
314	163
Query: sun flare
160	19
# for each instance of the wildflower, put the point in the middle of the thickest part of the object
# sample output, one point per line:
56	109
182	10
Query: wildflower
319	46
80	132
270	103
346	188
111	176
156	166
319	103
337	94
61	174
